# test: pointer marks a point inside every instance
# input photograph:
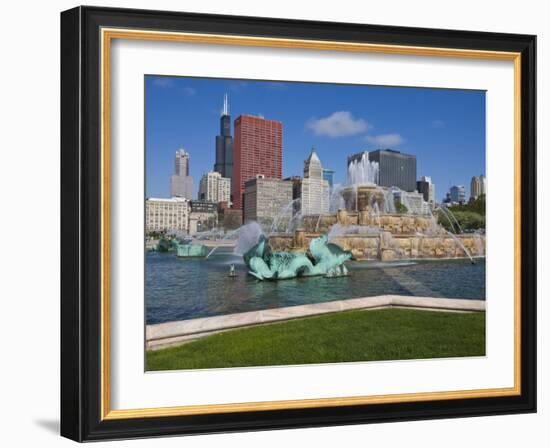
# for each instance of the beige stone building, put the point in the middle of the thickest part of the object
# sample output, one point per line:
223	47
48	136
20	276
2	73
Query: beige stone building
203	216
477	186
166	214
265	199
315	191
215	188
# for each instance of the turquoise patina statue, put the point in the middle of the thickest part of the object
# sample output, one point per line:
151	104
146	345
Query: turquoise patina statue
323	258
183	249
191	250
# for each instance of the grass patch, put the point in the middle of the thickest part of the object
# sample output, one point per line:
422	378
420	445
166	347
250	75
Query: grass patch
385	334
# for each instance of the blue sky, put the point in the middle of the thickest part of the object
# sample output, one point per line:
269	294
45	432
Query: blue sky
444	128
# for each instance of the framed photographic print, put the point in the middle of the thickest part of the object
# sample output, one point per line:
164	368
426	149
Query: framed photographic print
273	223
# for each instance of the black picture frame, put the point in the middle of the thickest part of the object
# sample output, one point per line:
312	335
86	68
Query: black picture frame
81	224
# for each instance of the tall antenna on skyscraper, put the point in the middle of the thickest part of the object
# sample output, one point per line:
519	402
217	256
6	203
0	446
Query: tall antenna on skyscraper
225	105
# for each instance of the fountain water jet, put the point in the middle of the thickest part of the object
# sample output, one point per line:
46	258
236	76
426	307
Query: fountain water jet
249	234
448	214
362	171
291	212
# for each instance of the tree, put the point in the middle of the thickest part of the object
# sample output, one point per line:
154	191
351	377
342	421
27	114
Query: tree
470	216
476	206
468	220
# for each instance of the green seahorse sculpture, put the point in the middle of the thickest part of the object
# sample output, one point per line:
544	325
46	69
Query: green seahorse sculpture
323	258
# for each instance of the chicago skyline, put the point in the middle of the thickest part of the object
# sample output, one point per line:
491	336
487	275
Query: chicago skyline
337	119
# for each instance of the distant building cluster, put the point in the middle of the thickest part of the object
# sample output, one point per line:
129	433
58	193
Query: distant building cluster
246	183
457	193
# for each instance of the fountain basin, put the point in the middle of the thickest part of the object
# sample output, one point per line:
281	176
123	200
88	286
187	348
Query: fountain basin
391	222
388	247
363	197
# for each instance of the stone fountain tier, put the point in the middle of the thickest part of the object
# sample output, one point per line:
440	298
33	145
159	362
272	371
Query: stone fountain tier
393	223
363	197
388	247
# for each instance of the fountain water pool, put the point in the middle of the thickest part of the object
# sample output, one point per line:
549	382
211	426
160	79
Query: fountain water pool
176	289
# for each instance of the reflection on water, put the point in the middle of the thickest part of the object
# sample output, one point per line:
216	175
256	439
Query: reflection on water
177	289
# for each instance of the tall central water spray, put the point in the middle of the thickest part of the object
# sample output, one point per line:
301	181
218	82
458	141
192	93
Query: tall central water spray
362	171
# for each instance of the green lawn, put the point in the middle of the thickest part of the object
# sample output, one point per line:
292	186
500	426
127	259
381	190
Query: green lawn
385	334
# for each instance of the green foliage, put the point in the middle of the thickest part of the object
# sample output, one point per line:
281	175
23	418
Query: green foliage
401	208
155	234
468	220
471	216
371	335
477	206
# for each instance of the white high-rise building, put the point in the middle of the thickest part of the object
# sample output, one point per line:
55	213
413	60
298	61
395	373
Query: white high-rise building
315	190
215	188
181	183
478	186
166	214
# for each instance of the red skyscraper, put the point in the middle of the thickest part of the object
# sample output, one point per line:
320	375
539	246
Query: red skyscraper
258	149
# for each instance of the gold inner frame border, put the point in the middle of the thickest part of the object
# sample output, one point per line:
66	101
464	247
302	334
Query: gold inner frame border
107	35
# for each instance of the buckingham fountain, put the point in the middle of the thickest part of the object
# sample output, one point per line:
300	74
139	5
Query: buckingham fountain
363	223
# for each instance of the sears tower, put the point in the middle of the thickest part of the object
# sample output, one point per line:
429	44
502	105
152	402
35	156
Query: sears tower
224	144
